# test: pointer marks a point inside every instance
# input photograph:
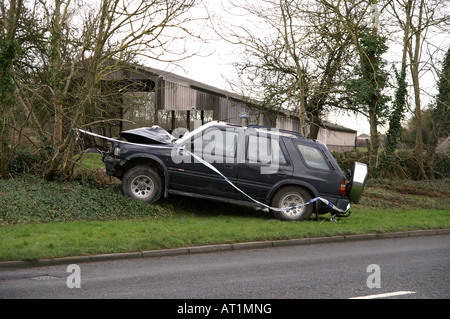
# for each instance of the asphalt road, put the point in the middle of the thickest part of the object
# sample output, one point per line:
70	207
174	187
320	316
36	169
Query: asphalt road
418	265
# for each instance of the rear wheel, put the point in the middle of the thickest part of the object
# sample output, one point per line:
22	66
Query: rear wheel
142	183
293	196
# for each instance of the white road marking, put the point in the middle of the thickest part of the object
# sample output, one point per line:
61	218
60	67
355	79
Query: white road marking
385	295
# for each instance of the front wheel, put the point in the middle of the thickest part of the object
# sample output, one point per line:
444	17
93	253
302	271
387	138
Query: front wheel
293	196
142	183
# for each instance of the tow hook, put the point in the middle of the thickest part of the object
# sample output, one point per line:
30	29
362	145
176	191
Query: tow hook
345	215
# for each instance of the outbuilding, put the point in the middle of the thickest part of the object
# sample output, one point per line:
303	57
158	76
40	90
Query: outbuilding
177	104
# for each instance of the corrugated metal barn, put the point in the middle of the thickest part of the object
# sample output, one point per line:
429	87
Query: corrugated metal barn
173	101
177	103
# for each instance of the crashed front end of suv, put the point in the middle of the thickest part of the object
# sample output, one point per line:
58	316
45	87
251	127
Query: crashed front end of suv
265	167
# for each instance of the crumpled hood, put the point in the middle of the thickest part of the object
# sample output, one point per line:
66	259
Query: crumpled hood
148	135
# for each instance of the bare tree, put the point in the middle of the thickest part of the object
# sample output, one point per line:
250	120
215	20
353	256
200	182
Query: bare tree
420	20
371	78
394	132
83	43
294	58
9	49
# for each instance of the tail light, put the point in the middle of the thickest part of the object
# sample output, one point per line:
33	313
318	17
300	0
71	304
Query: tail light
342	190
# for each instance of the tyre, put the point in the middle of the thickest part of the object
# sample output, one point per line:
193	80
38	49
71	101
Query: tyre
142	183
289	197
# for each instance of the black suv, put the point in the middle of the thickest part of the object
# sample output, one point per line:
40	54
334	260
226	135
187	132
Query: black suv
250	165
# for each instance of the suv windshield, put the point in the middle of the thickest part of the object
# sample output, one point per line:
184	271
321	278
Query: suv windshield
188	135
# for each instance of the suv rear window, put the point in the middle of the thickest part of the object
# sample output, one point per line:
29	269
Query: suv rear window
313	157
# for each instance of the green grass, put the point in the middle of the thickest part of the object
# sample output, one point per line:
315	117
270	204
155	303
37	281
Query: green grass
92	160
27	200
93	237
55	219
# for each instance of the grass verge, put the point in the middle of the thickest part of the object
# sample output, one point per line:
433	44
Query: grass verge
95	237
56	219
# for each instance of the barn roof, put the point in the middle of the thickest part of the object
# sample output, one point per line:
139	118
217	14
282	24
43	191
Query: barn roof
187	82
335	127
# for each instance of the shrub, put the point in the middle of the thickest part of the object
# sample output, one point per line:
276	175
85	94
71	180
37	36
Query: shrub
404	166
24	162
348	158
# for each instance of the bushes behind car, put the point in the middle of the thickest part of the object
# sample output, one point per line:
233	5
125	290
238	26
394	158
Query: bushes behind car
405	166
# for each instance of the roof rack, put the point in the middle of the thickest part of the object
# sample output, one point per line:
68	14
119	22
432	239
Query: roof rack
277	130
260	126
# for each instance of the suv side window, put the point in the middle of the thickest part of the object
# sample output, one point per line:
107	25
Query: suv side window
264	149
313	157
216	143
